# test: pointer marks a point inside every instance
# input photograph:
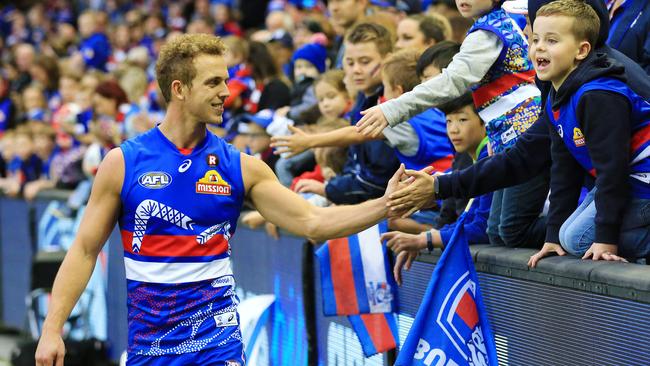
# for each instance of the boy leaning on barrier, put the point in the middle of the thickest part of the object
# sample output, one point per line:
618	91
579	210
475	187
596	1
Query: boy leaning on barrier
599	127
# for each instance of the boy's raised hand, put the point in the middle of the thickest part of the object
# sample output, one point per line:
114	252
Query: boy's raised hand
372	123
418	192
292	144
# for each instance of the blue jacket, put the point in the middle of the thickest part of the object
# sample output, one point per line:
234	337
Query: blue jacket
96	50
475	222
629	31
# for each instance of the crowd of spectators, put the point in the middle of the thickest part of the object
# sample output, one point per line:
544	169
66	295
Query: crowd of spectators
78	78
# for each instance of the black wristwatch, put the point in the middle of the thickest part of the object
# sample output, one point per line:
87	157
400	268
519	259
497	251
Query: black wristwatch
429	241
436	187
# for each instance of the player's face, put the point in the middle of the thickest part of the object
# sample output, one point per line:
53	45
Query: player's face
209	90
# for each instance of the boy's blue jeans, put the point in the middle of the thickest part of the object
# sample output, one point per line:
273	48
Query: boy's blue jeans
514	219
579	230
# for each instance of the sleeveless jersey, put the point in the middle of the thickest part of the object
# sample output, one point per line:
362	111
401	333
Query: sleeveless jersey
507	98
567	126
178	214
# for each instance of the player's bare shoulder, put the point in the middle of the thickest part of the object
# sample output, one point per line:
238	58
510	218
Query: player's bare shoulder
110	174
254	171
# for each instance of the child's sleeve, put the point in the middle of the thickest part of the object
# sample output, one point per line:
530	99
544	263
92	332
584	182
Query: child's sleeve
528	158
479	51
606	124
475	224
567	177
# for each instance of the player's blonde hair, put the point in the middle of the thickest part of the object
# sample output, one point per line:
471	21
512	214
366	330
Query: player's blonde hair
176	60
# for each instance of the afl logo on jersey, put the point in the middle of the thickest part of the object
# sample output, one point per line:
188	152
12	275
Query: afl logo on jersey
155	180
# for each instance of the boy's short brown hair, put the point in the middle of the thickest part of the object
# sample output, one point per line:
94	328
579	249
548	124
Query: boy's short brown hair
400	69
586	24
371	32
176	59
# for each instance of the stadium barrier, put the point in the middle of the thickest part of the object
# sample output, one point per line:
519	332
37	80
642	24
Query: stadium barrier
565	312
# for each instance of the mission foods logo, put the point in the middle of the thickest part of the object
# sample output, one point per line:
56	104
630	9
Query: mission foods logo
155	180
212	183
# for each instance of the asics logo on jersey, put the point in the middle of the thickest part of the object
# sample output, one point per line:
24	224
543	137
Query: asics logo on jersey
186	165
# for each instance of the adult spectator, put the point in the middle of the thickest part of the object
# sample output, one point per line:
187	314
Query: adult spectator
343	15
419	32
630	29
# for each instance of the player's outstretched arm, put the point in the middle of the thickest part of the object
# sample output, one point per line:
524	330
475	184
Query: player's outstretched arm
97	223
291	212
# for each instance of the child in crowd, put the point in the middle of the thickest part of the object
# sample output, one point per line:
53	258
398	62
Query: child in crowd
598	127
45	148
419	143
493	62
333	103
258	140
309	62
370	164
95	47
236	54
34	104
329	160
7	108
466	131
24	166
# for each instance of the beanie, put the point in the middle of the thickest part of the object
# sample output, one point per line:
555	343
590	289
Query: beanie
314	53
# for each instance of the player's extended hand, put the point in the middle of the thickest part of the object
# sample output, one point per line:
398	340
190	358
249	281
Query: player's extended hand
398	241
418	193
403	260
50	350
310	186
547	249
395	183
292	144
602	251
372	123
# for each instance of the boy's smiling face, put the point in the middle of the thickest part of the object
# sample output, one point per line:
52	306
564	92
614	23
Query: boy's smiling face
474	8
554	49
362	64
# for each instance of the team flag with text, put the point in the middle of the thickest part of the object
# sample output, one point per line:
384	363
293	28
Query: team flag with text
451	326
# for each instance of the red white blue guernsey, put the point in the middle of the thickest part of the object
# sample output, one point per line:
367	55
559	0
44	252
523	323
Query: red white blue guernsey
506	98
178	214
567	125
